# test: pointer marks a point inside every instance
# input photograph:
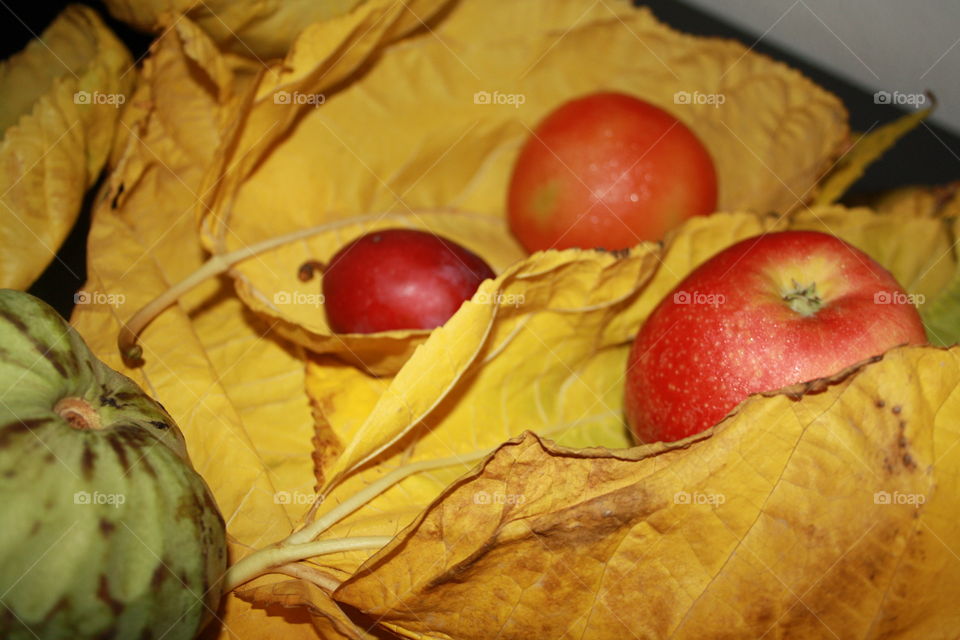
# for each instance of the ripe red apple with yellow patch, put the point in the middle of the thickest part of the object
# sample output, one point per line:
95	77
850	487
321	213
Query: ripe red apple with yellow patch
608	170
767	312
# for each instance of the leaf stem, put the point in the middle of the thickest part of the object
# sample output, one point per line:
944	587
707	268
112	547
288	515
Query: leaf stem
360	498
264	560
132	353
298	570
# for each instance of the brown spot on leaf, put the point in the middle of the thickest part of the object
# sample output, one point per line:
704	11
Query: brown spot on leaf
880	404
896	409
326	445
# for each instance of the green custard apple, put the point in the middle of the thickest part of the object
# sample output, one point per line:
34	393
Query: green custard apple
107	530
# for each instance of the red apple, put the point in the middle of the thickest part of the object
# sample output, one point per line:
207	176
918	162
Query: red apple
608	170
767	312
399	279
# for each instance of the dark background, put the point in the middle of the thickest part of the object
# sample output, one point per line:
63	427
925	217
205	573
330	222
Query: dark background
925	156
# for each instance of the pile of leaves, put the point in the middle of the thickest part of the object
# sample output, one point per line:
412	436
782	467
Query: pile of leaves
478	480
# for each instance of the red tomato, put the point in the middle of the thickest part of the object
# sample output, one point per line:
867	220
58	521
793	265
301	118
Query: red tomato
608	170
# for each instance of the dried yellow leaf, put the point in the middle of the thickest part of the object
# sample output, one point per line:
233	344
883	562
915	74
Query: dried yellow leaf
864	151
236	391
823	511
260	30
62	97
437	122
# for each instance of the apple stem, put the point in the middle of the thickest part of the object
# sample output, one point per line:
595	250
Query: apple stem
309	268
803	299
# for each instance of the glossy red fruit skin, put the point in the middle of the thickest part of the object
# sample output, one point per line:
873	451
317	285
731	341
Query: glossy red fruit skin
608	170
696	357
399	279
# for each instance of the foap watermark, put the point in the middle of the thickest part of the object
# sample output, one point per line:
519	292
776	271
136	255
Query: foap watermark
896	297
294	497
899	98
500	298
484	497
85	497
298	297
299	98
697	297
685	497
513	99
885	497
696	97
95	97
99	298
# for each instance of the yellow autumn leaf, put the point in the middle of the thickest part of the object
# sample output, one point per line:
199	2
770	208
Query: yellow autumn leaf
436	124
62	97
263	30
816	512
919	200
543	347
236	391
940	306
864	151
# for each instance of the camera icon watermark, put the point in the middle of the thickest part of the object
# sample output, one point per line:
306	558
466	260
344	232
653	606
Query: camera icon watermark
294	497
97	498
299	98
99	298
96	98
685	497
696	297
885	497
486	97
499	298
282	298
896	297
484	497
899	98
698	98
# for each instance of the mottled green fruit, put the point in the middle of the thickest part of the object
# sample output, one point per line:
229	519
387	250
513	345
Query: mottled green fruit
107	531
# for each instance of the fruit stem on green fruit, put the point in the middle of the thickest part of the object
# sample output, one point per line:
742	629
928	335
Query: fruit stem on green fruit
803	299
132	353
265	560
78	413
